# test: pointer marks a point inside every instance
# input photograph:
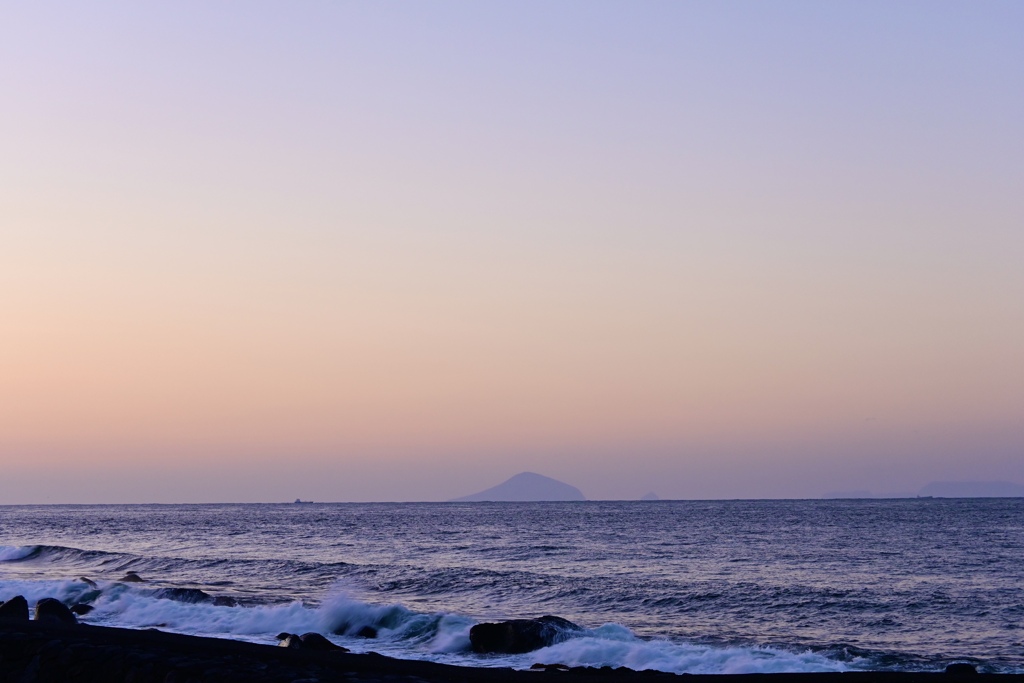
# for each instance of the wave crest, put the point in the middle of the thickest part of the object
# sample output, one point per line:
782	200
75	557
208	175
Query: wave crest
13	553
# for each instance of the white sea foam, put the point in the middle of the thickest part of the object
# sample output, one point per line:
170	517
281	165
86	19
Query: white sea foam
436	632
614	645
68	592
131	608
404	633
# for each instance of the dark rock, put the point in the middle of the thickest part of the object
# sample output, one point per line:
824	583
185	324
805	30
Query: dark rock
520	635
190	595
549	667
961	669
308	641
315	641
132	577
366	632
225	601
87	581
81	609
290	640
15	609
51	609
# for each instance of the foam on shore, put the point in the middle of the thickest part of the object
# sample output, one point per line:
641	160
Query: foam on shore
401	632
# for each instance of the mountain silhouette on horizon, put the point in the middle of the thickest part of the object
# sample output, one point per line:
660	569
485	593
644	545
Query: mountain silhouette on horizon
526	487
973	489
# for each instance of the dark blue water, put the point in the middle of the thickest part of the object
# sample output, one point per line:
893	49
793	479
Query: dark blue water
699	586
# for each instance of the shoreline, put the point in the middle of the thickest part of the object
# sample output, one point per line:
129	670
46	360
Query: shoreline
41	651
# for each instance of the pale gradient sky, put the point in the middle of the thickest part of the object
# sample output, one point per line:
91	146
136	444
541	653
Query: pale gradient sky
402	251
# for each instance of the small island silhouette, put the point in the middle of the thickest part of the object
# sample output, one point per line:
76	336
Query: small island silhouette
526	487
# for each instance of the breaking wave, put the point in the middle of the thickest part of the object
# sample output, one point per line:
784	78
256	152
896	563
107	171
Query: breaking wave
399	631
13	553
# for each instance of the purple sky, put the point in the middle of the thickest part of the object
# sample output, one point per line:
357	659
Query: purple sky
383	251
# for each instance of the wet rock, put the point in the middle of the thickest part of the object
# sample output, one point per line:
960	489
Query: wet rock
520	635
132	577
315	641
290	640
225	601
308	641
87	581
961	669
366	632
193	596
81	608
53	610
549	667
15	609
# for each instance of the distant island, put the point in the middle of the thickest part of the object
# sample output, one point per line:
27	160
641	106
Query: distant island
945	489
973	489
525	487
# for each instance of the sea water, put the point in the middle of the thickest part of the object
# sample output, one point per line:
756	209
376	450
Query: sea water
681	586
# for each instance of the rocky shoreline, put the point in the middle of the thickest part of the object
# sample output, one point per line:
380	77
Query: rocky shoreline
54	647
53	652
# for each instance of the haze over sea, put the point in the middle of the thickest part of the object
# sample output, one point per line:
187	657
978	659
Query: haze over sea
683	586
356	252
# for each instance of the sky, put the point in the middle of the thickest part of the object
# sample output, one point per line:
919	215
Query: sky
385	251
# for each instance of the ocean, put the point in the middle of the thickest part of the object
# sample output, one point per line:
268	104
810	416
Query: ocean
680	586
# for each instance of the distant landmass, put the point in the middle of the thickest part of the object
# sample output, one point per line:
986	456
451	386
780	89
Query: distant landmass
650	496
945	489
524	487
973	489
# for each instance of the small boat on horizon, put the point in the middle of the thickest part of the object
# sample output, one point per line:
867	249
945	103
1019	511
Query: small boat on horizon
299	501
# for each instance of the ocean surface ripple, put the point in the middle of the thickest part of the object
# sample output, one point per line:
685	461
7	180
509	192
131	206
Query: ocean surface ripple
683	586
